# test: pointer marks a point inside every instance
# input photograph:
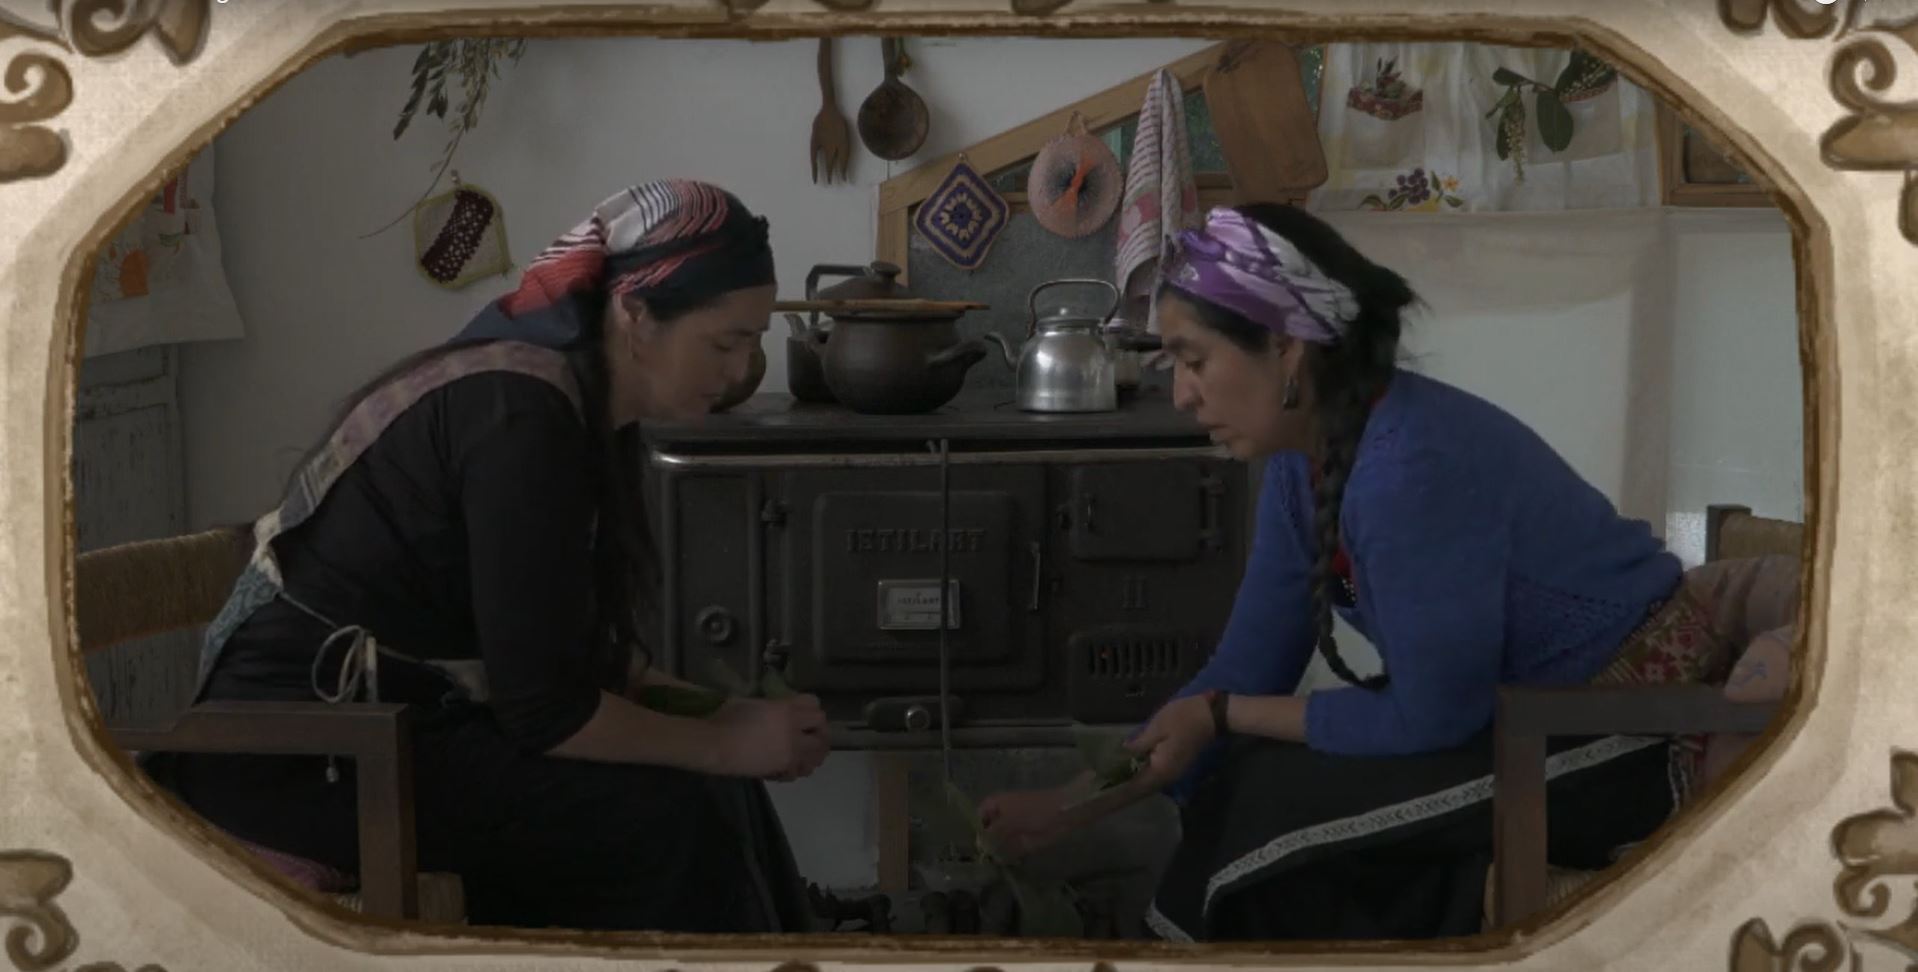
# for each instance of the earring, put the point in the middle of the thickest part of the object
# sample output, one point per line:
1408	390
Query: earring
1291	399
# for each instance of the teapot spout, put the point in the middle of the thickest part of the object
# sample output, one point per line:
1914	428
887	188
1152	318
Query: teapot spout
1005	348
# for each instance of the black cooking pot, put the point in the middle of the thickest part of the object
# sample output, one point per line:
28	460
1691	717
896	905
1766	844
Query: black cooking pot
806	363
884	359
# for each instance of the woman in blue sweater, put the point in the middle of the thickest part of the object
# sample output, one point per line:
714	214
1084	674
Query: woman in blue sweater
1449	534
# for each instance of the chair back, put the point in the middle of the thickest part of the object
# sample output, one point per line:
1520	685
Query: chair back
1733	532
150	587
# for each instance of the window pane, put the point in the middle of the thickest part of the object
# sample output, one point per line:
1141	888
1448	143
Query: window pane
1206	156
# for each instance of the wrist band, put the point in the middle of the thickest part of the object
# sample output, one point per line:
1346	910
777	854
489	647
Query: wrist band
1216	701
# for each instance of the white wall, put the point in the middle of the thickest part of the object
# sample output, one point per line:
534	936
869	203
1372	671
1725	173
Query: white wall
313	167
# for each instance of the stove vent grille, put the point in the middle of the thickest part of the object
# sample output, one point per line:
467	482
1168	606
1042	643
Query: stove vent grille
1123	673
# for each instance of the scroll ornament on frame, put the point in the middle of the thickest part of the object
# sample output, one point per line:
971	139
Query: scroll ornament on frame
39	936
1876	851
1879	134
28	148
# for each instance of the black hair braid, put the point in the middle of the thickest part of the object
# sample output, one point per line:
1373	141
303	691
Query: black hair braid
1342	416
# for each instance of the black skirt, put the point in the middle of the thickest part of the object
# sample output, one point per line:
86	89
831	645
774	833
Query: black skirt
1285	843
538	841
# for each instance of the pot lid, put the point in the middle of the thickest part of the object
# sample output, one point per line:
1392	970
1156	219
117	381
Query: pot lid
877	279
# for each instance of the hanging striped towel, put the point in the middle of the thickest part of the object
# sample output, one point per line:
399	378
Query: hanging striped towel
1161	197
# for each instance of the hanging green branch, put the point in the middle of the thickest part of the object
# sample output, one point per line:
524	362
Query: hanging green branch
471	65
1584	77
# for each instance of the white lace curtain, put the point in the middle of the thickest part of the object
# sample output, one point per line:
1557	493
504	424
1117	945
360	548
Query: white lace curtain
1415	127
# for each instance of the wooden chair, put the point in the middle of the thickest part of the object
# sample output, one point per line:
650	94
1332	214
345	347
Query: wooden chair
152	587
1523	884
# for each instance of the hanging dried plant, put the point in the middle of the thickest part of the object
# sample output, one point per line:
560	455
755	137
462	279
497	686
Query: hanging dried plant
467	66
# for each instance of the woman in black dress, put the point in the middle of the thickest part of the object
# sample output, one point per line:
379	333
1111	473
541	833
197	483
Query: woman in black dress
470	540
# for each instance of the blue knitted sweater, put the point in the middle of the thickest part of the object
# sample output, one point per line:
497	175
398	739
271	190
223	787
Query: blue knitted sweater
1479	556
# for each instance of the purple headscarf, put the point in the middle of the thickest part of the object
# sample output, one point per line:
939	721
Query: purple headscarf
1240	265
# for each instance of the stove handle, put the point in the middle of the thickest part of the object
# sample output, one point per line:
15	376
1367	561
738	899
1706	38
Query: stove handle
1038	574
1211	487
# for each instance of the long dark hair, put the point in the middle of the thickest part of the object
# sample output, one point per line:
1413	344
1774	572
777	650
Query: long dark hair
1347	377
626	568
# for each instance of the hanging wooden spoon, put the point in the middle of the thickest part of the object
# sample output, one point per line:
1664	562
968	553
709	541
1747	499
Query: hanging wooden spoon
893	119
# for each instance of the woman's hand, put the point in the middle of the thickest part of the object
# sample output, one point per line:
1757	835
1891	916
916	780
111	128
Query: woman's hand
1174	739
772	739
1020	822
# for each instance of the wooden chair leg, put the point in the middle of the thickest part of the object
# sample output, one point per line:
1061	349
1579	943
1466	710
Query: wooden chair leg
389	861
1518	837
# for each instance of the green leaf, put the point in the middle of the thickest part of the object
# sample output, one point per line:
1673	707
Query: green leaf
1504	101
1435	182
1554	121
678	701
968	816
1106	755
773	685
1507	76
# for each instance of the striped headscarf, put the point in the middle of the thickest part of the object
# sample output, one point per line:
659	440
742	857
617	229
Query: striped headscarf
648	240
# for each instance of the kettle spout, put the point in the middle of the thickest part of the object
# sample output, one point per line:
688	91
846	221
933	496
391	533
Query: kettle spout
1005	348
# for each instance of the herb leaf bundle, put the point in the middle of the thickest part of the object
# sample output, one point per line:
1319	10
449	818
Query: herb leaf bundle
469	66
1583	77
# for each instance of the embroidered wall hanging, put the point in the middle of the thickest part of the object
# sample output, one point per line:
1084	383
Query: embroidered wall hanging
962	217
460	236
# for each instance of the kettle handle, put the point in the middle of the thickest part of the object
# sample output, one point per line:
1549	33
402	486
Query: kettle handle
1032	302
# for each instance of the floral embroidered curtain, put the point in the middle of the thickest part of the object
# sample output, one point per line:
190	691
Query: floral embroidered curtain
160	280
1464	127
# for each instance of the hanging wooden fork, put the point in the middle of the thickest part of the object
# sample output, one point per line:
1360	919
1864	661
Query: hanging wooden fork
831	135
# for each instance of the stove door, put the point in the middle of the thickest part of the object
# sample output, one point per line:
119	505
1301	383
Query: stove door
857	586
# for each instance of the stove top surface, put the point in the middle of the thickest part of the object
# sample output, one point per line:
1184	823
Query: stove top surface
980	415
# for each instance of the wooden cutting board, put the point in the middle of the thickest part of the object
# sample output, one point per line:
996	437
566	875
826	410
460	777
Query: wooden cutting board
879	305
1267	131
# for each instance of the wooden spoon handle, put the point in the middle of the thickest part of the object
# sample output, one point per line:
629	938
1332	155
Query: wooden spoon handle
825	70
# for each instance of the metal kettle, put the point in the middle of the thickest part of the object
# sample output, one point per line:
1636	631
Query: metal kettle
1064	364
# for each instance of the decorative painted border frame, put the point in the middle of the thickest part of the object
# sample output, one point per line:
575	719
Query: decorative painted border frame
1798	89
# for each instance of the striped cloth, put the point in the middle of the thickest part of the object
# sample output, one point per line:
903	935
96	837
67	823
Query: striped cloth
641	240
640	219
1161	197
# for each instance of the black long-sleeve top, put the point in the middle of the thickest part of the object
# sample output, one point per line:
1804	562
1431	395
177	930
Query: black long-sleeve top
463	532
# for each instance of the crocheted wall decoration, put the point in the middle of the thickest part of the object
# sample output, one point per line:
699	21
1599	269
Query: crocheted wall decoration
1075	183
963	217
460	237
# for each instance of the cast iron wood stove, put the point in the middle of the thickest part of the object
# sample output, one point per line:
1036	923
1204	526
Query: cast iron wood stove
1093	561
